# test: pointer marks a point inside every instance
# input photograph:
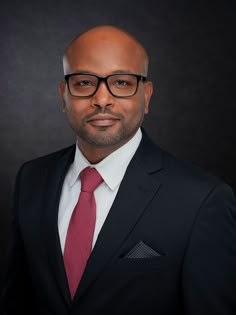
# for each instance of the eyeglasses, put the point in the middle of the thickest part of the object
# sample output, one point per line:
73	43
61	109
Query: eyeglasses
119	85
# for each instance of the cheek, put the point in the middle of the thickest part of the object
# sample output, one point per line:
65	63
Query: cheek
136	108
76	107
134	113
75	113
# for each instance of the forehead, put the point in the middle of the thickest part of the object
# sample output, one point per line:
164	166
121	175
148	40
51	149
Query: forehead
103	53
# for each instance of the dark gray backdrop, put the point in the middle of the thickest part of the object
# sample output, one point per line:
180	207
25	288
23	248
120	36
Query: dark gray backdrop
191	46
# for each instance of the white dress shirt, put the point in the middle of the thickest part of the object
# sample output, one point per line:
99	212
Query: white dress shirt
112	170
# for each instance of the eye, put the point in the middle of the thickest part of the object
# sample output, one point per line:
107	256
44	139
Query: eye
79	81
121	82
84	83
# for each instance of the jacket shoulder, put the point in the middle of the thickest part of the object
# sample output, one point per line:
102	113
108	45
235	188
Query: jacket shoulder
45	161
172	169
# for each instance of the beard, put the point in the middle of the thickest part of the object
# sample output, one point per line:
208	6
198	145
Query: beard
104	137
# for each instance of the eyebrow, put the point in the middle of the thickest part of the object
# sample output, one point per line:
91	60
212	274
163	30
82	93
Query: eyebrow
112	72
121	71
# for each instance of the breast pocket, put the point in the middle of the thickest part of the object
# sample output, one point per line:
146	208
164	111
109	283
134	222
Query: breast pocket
133	265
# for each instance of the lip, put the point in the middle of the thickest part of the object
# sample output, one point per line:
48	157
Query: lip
102	120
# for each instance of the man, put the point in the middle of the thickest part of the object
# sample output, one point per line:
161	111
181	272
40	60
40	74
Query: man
164	240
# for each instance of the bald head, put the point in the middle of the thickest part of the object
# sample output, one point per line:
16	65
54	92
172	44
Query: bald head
107	42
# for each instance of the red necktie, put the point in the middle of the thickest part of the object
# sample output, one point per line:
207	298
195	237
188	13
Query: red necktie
79	237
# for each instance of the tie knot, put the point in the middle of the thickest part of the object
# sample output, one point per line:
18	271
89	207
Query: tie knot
90	179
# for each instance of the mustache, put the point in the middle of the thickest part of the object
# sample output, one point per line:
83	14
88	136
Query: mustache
103	111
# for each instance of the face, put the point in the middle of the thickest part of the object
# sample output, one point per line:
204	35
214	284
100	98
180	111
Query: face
104	121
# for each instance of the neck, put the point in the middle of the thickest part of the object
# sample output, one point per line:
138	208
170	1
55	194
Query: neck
96	154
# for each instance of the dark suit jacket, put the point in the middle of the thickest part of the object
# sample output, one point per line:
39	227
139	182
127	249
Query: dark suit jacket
184	215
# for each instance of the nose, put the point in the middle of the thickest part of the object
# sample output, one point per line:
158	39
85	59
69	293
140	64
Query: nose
102	98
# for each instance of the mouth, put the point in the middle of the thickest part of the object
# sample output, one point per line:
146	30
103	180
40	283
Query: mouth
102	120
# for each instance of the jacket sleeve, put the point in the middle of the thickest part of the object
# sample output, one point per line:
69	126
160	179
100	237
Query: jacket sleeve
209	269
16	294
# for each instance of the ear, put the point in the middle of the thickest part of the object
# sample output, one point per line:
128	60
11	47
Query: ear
148	90
62	88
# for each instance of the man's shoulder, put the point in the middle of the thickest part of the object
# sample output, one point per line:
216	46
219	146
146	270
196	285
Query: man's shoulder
188	180
178	170
188	170
50	158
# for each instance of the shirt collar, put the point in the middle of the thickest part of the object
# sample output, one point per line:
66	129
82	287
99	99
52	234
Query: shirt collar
112	168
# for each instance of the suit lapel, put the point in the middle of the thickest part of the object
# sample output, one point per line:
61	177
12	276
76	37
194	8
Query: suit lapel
135	193
54	182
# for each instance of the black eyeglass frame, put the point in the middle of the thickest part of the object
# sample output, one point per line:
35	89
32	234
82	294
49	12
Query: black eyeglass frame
100	79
